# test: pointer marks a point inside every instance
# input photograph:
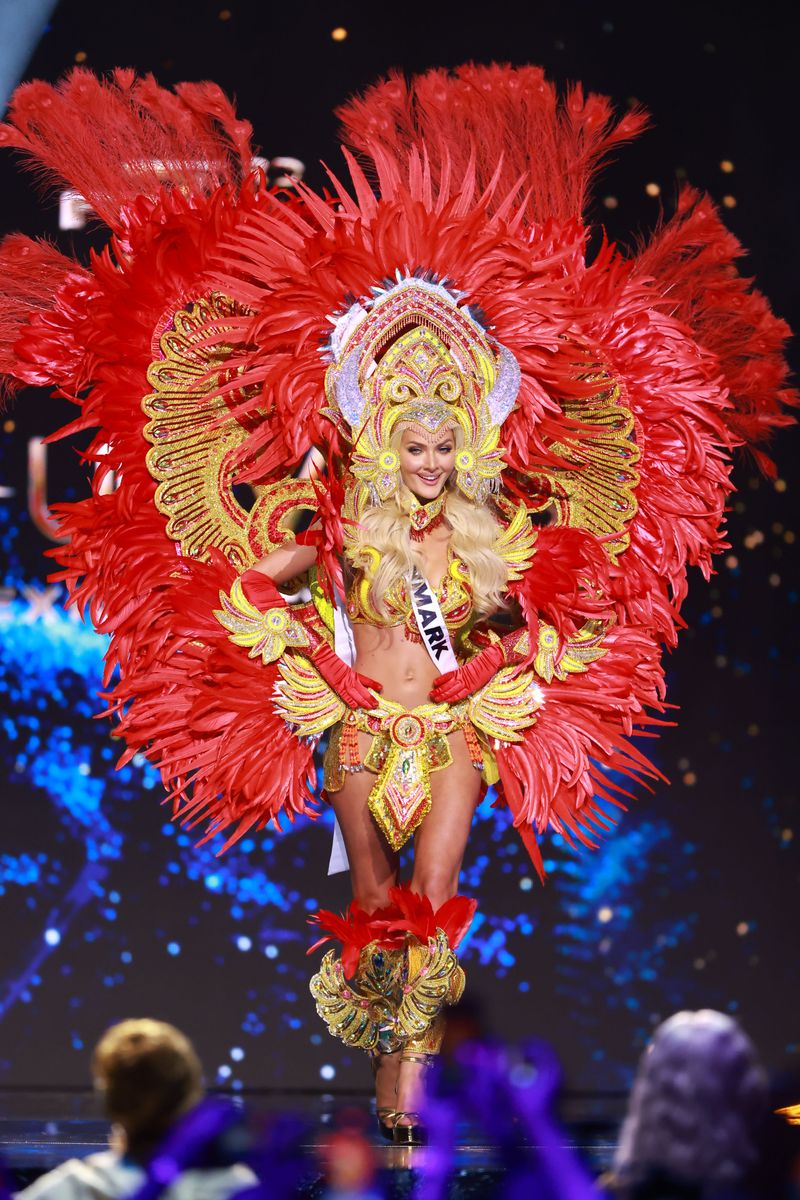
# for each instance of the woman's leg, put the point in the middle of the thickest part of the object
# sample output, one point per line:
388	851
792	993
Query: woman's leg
373	863
442	837
373	870
438	852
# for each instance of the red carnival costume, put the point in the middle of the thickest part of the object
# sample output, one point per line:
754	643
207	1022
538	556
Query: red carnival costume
225	331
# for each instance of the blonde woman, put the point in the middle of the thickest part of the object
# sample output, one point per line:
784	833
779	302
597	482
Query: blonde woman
454	550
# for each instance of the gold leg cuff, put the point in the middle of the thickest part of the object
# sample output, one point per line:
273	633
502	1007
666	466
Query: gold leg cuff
362	1011
433	979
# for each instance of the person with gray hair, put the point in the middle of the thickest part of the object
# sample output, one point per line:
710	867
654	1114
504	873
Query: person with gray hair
698	1105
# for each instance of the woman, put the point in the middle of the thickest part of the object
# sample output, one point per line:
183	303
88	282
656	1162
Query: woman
456	307
425	533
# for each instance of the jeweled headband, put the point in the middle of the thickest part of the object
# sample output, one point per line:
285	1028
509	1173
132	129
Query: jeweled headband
413	354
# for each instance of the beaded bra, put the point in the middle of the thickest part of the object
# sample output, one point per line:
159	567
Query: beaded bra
453	593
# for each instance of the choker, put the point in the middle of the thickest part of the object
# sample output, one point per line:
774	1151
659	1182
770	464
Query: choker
426	517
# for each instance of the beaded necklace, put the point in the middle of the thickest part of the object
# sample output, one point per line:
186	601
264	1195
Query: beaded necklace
426	517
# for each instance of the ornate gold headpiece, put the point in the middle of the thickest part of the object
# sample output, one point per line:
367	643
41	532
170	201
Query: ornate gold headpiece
413	354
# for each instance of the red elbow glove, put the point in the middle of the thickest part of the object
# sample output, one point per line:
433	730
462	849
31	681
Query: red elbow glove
260	590
347	683
351	687
455	685
469	678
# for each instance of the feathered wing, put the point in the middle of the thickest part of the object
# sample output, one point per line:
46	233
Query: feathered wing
124	340
118	141
639	377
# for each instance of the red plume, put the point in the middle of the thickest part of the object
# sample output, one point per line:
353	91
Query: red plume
355	929
418	918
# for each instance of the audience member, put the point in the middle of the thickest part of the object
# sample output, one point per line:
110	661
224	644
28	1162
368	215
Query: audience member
149	1076
696	1115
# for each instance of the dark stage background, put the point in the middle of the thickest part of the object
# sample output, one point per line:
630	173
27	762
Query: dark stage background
108	911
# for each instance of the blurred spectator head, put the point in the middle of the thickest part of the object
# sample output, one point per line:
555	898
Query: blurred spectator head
148	1075
348	1160
697	1106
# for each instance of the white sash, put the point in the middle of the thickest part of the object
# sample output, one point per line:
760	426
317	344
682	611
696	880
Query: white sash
345	647
435	638
431	624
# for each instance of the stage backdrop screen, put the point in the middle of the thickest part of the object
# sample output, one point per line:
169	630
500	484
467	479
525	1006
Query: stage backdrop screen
110	910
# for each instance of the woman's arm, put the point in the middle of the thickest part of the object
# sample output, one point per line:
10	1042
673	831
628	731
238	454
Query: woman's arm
286	562
259	584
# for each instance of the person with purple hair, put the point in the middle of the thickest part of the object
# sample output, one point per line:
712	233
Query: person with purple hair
695	1116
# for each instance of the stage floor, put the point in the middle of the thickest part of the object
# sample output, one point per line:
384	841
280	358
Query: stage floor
41	1128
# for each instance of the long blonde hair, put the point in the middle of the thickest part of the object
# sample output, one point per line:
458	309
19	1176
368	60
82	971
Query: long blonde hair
387	530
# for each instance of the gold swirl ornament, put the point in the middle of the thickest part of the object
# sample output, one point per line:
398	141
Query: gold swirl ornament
360	1012
591	479
389	1001
303	698
507	705
196	444
263	634
515	544
433	979
578	652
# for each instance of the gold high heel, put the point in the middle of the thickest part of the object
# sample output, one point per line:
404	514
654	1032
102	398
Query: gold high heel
415	1133
386	1119
386	1116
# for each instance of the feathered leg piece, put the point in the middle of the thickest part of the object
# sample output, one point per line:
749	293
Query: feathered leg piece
396	971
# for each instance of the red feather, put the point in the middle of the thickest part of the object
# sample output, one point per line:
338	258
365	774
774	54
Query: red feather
117	139
481	178
415	915
355	930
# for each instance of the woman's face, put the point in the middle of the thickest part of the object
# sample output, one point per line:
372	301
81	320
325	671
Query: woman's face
426	460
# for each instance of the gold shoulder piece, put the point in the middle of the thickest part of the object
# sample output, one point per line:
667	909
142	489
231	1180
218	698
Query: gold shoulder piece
506	706
515	544
584	648
262	633
304	699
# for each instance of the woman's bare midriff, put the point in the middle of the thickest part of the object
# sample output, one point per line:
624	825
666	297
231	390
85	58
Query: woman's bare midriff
403	667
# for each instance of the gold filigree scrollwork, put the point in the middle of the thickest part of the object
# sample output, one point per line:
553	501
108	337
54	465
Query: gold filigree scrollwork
506	705
434	978
194	437
195	442
360	1012
595	489
556	658
273	517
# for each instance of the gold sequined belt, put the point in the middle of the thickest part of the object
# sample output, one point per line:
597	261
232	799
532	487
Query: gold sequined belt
407	745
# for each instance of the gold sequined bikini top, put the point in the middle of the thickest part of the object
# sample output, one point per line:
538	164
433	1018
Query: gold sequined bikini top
453	593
